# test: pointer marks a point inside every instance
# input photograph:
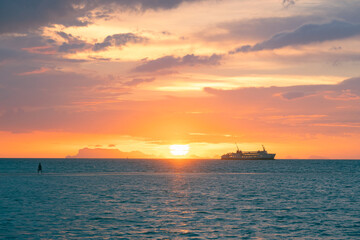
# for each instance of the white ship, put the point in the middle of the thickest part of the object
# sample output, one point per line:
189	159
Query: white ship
252	155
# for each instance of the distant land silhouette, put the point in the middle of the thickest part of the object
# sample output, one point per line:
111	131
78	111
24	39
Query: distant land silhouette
108	153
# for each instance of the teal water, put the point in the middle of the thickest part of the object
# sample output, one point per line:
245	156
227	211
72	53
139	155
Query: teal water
172	199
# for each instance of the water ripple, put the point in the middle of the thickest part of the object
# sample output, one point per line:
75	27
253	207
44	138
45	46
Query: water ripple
155	200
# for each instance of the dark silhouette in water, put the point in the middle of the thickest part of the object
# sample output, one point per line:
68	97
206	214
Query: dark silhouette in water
39	168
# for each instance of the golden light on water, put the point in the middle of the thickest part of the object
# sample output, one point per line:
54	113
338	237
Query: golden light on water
179	150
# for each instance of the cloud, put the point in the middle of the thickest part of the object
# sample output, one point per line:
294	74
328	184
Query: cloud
24	15
143	5
68	37
6	54
66	47
36	71
43	87
42	45
314	109
287	3
291	92
171	61
137	81
256	28
23	46
279	112
306	34
72	43
347	10
25	54
118	40
293	95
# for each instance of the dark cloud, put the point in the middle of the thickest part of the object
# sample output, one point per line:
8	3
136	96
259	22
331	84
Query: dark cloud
24	41
30	49
99	58
306	34
30	52
6	54
257	28
264	28
291	92
287	3
24	15
71	47
30	87
137	81
347	10
171	61
151	4
349	84
9	54
118	40
72	43
293	95
68	37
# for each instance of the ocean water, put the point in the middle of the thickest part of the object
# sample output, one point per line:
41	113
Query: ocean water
179	199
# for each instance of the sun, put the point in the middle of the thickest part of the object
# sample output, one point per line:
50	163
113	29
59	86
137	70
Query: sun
179	150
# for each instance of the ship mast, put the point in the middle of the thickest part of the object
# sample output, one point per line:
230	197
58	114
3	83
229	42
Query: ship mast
263	148
237	147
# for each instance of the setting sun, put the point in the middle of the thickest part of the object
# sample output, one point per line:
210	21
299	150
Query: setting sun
179	150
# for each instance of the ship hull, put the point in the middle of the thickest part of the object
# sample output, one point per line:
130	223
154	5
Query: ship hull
269	157
227	158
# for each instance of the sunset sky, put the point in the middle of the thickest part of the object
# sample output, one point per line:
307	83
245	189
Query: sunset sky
142	75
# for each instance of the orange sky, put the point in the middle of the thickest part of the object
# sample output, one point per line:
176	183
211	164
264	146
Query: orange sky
144	75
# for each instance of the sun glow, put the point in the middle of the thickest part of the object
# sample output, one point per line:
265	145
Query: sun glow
179	150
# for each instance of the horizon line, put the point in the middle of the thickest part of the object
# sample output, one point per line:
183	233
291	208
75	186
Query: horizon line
99	158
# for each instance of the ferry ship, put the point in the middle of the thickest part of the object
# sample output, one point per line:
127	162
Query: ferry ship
252	155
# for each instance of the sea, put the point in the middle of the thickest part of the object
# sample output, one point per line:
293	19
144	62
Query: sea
179	199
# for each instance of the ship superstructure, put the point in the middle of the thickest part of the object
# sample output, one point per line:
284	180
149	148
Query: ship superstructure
250	155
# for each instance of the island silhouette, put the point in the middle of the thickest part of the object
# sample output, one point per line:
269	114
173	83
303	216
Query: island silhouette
108	153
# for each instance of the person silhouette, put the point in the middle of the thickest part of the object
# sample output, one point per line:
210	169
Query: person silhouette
39	168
